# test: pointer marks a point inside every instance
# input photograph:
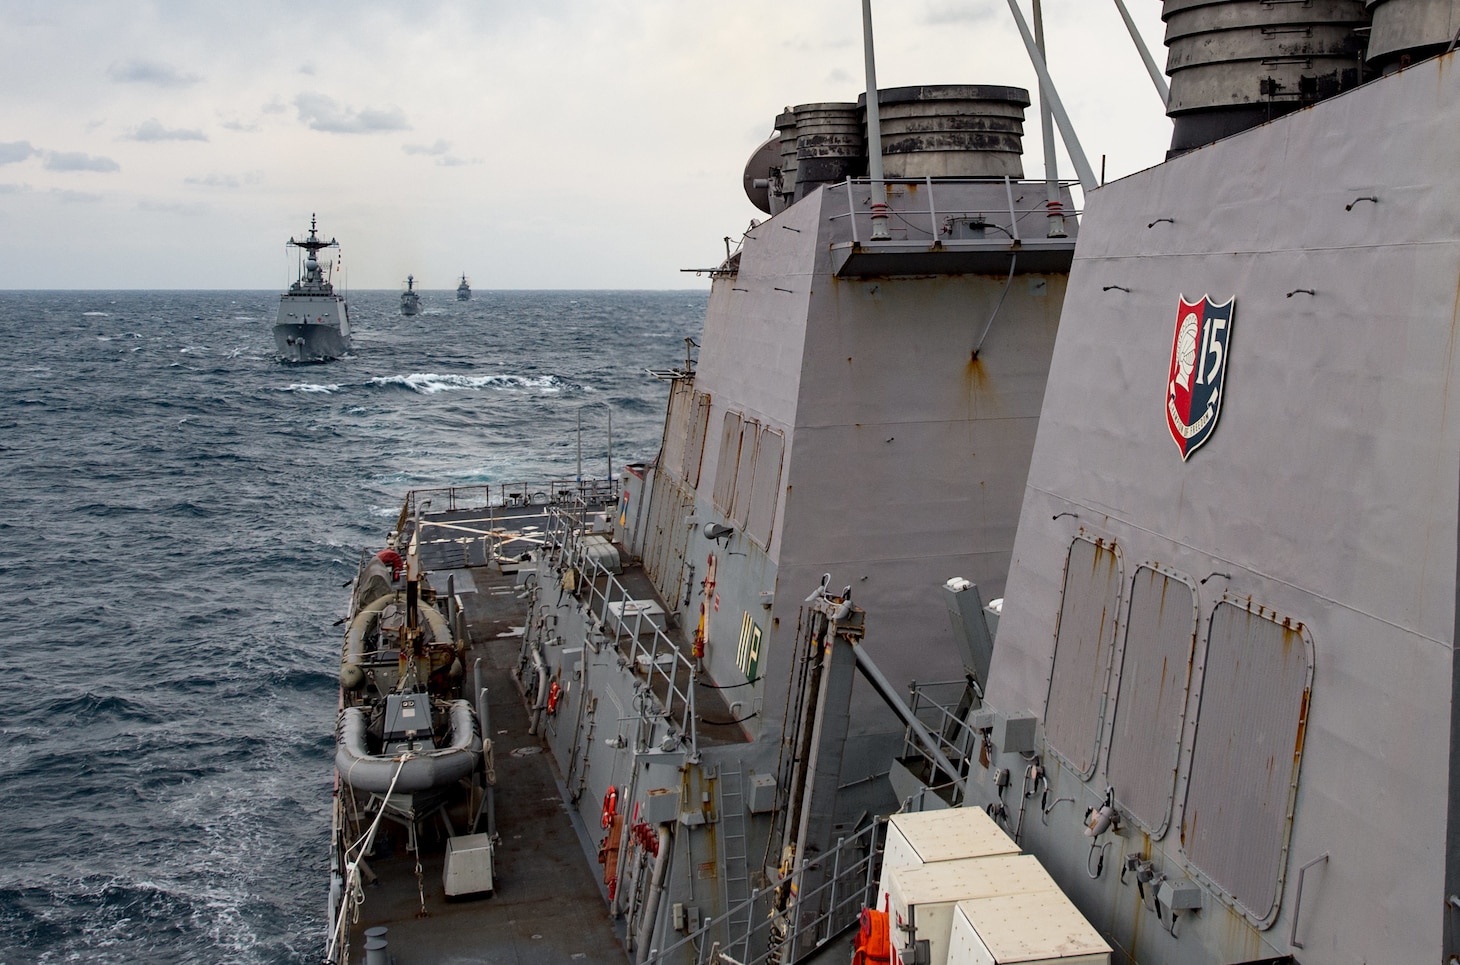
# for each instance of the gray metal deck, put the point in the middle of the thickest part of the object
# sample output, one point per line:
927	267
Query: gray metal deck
547	905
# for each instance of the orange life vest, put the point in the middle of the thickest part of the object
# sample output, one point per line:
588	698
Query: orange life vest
873	945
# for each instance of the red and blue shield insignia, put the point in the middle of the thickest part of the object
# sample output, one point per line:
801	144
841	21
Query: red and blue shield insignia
1198	370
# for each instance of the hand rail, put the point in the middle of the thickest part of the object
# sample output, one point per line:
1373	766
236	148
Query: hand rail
554	492
775	924
951	734
679	701
1298	899
999	217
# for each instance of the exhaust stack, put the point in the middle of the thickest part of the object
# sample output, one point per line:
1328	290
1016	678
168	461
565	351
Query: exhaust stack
1235	64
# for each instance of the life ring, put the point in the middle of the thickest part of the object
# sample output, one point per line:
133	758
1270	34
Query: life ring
553	693
610	805
391	559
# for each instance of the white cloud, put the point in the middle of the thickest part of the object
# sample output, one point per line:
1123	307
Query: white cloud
75	197
441	151
77	161
944	12
152	130
586	97
173	207
227	181
150	72
435	150
16	151
321	113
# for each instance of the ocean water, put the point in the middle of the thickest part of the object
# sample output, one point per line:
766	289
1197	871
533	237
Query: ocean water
180	513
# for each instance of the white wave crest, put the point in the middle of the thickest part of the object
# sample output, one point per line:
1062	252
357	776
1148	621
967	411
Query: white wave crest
311	387
429	383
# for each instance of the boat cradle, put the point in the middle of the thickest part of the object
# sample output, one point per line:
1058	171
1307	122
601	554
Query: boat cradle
420	770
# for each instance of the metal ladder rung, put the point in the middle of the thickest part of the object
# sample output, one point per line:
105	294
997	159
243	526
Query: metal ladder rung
733	841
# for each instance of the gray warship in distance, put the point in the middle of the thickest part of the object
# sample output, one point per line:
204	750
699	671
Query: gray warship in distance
1214	692
463	290
410	300
313	323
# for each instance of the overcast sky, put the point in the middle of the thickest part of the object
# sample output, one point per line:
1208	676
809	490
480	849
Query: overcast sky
530	144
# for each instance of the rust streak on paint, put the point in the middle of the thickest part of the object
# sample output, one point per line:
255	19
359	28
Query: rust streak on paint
974	372
1302	727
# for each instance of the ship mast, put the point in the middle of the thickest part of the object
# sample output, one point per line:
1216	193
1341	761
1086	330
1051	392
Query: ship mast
313	244
312	279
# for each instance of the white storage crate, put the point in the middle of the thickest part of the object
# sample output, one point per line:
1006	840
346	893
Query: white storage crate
1039	928
927	895
945	835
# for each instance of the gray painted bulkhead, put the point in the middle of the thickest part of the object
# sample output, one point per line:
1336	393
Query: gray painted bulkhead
1326	495
904	460
904	456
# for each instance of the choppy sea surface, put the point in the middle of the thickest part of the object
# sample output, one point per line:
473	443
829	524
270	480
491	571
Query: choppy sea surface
180	512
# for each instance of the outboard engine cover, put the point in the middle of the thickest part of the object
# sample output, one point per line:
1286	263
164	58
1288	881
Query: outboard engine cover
408	721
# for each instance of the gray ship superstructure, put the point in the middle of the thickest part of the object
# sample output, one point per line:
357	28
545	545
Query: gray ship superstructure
1211	698
860	380
851	394
410	299
313	323
1225	662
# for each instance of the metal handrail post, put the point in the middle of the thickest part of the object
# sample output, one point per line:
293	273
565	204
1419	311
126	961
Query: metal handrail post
852	212
749	925
932	212
691	712
621	626
872	850
836	870
1013	218
797	889
1298	898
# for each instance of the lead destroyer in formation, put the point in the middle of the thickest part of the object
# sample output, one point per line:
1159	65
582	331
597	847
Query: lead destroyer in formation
313	324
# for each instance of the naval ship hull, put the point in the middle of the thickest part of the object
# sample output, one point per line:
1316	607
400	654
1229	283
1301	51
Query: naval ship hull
309	342
312	328
1232	629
